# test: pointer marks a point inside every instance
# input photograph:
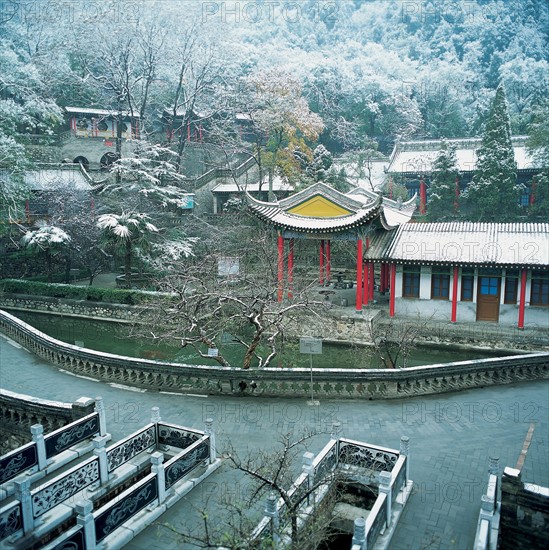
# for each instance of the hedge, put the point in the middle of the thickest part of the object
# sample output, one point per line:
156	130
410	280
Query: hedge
74	292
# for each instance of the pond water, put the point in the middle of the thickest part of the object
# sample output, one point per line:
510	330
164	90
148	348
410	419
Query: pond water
116	338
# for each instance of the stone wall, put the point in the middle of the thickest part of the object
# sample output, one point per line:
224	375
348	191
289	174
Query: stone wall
524	522
269	382
76	308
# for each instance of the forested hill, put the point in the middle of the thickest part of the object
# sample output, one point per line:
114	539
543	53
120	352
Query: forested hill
384	69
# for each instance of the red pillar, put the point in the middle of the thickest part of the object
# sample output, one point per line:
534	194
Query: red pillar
532	198
280	268
291	270
358	300
365	282
328	261
188	130
522	298
455	294
456	199
393	289
390	187
372	279
422	196
321	276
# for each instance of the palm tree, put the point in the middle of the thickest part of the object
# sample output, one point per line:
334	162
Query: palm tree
122	232
47	239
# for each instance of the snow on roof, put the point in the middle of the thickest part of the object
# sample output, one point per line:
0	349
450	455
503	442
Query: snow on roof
99	112
485	244
418	156
279	184
47	179
362	205
372	174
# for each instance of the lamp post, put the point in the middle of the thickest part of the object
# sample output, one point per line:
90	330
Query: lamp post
312	346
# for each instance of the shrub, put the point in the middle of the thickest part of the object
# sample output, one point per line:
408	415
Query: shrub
74	292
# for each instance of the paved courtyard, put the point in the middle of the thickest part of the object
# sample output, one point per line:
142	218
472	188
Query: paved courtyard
451	437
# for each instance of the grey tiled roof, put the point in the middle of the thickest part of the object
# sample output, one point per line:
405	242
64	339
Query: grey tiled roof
487	244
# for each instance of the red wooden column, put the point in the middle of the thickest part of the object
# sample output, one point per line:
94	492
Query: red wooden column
522	301
365	283
455	294
371	278
321	276
280	267
328	261
393	290
532	197
358	300
291	270
422	196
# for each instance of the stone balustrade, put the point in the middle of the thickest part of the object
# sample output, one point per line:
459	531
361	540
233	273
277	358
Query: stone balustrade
19	412
327	383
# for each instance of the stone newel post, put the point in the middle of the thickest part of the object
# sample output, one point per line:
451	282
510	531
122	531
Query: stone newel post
157	468
359	535
211	432
385	487
100	452
37	431
405	450
22	494
272	512
84	517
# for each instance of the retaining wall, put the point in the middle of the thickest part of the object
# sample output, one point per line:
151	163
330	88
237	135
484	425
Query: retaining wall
327	383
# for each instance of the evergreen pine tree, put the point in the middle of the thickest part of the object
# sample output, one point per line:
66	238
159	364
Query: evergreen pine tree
493	193
442	191
538	145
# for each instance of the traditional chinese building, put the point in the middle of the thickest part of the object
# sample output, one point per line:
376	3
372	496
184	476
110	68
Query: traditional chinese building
411	164
448	271
323	214
468	271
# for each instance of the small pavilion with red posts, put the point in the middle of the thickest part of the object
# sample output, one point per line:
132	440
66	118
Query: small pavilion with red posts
323	214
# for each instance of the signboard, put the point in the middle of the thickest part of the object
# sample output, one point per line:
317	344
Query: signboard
213	352
187	202
310	345
227	266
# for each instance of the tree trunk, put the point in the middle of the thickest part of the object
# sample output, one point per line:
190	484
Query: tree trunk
48	265
128	264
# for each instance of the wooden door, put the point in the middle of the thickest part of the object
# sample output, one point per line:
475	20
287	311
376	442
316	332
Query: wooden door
488	296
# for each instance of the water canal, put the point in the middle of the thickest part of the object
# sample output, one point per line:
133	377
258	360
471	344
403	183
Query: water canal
117	338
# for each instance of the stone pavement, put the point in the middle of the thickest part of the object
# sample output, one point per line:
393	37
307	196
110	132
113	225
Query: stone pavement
451	437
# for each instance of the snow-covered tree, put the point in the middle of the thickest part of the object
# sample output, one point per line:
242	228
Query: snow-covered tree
493	193
538	145
281	116
442	190
47	240
123	232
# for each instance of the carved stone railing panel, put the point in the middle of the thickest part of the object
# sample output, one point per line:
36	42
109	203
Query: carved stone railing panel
16	462
376	519
129	503
180	465
68	436
169	434
11	520
130	447
399	475
326	462
64	487
368	457
73	539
